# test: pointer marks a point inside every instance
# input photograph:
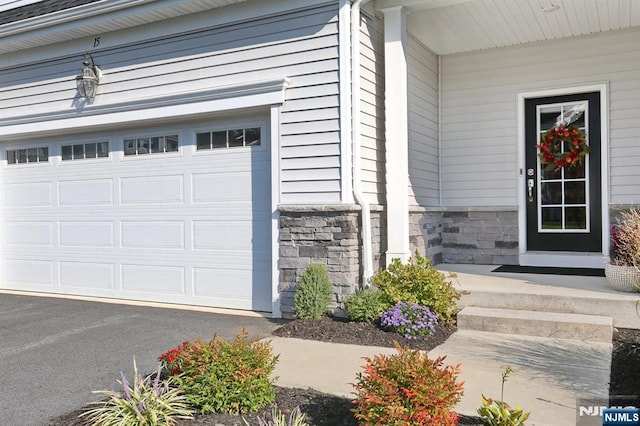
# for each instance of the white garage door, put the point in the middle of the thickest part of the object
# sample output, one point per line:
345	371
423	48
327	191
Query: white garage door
177	215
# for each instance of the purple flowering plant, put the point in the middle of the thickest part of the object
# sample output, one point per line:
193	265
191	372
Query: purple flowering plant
409	319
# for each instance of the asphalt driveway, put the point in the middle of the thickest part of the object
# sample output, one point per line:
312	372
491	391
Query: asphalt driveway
54	352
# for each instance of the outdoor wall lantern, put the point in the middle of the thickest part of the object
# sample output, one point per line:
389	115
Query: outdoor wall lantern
88	79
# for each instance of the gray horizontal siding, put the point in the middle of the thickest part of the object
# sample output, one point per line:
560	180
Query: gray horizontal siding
479	112
424	186
372	108
300	44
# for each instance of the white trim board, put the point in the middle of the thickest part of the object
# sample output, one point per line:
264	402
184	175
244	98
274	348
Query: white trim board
253	94
562	259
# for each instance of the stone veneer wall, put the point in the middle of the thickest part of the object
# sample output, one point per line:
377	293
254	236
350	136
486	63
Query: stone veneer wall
470	236
482	237
329	235
425	234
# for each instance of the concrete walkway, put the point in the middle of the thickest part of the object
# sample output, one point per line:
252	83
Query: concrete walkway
549	376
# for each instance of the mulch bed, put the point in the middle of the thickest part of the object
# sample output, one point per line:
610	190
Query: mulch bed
625	368
337	330
328	410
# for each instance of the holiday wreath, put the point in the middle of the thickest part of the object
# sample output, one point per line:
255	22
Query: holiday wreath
562	146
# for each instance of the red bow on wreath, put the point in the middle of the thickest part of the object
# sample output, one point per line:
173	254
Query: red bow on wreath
551	149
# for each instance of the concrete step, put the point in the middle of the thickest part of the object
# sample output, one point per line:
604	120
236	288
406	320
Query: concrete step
546	293
624	308
587	328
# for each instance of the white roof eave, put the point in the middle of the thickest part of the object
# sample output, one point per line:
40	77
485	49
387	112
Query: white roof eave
81	20
67	15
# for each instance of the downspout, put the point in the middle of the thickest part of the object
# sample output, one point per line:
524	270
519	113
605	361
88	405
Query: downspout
367	245
440	130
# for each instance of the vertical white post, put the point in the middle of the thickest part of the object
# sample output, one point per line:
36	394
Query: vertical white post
274	126
397	133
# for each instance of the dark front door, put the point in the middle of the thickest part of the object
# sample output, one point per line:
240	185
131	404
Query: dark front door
564	205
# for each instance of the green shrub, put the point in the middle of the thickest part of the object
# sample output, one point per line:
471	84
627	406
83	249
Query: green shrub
419	282
365	305
145	403
407	388
224	376
499	413
314	293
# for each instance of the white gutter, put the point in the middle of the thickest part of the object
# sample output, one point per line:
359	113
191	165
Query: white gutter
440	130
367	245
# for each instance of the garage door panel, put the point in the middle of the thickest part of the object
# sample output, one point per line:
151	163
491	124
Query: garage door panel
152	234
212	282
245	211
228	235
86	234
95	192
224	187
29	271
33	194
153	279
231	285
29	233
152	189
98	276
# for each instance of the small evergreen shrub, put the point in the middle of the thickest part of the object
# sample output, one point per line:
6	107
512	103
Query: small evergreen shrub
146	402
365	305
409	319
223	376
418	282
407	388
314	293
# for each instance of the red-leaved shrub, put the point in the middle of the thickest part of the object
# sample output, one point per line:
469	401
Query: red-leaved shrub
407	388
224	376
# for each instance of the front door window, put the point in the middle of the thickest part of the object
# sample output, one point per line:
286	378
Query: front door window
563	204
563	196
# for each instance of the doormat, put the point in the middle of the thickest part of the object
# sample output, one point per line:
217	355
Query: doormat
584	272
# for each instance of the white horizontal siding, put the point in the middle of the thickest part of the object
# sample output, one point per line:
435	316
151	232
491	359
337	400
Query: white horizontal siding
372	108
479	112
424	177
299	44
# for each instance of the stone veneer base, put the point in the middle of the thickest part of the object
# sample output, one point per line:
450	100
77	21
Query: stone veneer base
331	235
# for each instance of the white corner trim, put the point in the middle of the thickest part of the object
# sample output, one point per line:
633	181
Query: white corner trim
535	259
249	95
276	304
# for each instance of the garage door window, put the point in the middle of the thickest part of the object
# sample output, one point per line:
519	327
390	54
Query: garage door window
28	155
229	138
151	145
85	151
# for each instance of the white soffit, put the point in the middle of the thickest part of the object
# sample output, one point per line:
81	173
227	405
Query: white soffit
450	26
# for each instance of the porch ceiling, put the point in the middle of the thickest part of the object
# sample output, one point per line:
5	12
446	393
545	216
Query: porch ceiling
455	26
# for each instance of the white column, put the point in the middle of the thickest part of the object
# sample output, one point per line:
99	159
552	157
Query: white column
397	133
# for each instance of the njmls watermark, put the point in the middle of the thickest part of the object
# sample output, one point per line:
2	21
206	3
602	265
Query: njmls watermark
616	410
